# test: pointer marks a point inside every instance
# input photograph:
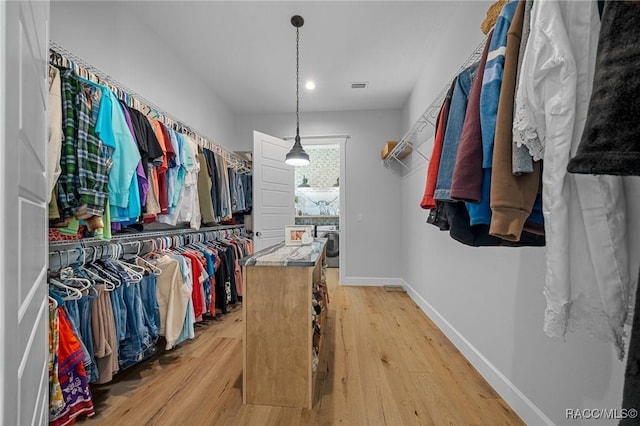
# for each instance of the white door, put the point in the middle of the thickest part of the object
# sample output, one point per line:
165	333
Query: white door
273	190
24	42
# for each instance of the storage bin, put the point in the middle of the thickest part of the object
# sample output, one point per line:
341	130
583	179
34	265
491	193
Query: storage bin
390	145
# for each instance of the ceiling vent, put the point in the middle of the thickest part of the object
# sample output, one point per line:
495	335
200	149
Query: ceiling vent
360	85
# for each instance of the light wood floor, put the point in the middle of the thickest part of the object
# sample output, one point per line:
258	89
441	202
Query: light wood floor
389	365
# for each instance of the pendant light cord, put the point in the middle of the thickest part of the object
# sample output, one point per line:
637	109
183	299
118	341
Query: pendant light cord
297	82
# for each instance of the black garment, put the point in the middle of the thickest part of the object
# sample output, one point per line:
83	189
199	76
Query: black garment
247	182
438	216
231	266
611	139
148	144
222	276
478	235
215	183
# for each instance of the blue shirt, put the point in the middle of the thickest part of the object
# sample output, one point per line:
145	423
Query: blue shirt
492	81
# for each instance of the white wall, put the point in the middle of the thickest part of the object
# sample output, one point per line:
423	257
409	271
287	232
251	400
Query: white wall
370	190
107	36
489	301
492	300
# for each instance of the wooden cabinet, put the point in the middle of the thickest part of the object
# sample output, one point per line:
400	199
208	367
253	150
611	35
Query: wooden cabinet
278	317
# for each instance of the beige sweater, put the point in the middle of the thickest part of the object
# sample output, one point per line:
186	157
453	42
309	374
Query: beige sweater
512	197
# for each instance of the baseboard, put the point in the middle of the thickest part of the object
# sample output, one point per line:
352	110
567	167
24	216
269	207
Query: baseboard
371	281
522	405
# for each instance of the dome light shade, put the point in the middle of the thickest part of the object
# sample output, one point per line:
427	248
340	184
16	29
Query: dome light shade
297	156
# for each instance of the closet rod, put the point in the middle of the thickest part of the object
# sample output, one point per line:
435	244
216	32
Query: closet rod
56	245
68	255
148	108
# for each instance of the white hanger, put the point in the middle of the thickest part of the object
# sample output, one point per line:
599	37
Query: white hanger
154	269
53	303
72	293
117	281
108	285
134	271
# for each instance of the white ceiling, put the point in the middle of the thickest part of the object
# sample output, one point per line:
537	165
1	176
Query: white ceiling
245	51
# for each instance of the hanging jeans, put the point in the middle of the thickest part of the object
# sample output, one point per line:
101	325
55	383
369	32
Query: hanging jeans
86	333
119	312
150	305
137	340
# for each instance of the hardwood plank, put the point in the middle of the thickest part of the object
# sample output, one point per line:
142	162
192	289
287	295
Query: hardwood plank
388	365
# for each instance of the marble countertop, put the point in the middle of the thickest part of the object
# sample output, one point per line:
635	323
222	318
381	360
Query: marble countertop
281	255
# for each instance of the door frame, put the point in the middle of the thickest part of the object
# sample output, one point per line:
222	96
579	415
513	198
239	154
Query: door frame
341	140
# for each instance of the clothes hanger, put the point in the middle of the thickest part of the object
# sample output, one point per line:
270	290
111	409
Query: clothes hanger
135	272
139	269
154	269
53	303
94	265
108	284
68	275
71	293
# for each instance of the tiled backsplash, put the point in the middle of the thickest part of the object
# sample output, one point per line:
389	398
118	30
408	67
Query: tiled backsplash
320	197
324	169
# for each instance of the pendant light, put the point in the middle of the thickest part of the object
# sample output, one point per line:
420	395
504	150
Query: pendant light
297	156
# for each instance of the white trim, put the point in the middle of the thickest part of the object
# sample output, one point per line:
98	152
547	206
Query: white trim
371	281
522	405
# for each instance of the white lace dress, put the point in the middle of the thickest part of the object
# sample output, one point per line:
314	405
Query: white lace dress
587	280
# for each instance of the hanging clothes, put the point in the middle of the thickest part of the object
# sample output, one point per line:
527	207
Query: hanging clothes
72	376
512	197
587	280
105	339
173	297
54	132
428	202
56	399
83	179
204	189
466	184
143	181
455	120
161	171
521	160
608	146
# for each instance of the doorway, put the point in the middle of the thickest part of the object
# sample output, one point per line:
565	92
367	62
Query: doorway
274	190
320	193
317	196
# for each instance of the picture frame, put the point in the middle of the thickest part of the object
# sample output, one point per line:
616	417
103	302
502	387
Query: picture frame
294	233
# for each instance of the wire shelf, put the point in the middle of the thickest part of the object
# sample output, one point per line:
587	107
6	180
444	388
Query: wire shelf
416	136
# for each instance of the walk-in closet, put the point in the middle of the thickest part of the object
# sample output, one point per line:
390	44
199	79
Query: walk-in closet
319	213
